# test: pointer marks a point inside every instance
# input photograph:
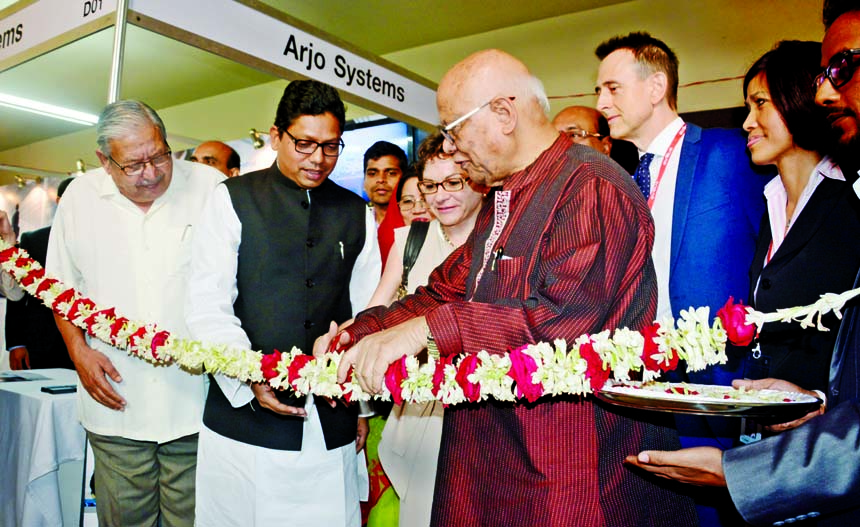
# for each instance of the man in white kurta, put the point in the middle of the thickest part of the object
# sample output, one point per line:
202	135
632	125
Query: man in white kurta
279	253
122	237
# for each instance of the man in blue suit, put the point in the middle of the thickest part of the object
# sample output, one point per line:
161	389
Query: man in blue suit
705	198
810	474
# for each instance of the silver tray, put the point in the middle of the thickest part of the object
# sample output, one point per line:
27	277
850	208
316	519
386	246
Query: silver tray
792	405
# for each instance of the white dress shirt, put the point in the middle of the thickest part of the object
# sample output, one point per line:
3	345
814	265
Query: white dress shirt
111	251
662	209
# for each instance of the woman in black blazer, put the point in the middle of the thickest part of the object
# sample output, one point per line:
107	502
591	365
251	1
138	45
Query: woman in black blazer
807	239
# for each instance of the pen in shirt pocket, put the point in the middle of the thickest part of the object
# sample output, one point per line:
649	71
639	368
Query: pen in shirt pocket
341	250
185	232
498	255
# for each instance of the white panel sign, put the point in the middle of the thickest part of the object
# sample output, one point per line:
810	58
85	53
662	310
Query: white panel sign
45	20
249	31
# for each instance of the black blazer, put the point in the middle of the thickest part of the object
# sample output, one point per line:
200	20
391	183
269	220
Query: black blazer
30	323
819	255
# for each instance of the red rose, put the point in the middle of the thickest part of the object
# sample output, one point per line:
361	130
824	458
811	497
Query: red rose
269	365
45	285
135	337
523	366
651	349
299	362
66	296
8	254
733	316
439	373
32	276
467	366
394	375
115	328
596	372
77	305
24	262
158	340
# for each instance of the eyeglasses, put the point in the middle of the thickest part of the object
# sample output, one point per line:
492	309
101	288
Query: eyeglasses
136	169
306	146
447	130
840	70
410	203
452	184
574	131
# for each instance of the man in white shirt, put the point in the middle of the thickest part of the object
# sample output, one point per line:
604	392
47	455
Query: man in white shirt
704	195
274	261
122	236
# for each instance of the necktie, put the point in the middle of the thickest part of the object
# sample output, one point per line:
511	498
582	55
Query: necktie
643	174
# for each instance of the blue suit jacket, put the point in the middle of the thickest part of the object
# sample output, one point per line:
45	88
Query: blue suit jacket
718	207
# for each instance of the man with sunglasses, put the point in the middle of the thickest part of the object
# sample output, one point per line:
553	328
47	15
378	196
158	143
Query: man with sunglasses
122	236
809	474
561	248
272	264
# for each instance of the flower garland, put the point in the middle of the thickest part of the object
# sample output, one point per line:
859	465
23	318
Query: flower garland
528	372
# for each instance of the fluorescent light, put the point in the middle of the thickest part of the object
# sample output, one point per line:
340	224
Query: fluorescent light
49	110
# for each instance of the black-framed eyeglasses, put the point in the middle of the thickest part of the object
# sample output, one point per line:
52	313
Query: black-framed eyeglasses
574	131
451	184
306	146
840	69
447	130
411	203
137	168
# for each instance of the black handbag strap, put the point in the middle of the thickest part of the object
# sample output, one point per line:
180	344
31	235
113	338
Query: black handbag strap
414	242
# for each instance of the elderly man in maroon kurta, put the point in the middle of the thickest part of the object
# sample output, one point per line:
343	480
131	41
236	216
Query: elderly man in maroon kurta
562	248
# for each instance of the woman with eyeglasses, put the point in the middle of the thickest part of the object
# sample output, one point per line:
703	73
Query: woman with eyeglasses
410	441
807	243
410	202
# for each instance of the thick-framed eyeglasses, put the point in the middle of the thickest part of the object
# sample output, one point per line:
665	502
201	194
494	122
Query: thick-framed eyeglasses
451	184
840	70
306	146
447	130
574	131
136	169
411	203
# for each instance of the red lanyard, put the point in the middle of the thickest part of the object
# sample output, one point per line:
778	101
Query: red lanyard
665	162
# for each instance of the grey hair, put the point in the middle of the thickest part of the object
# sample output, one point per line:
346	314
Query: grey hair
122	118
535	86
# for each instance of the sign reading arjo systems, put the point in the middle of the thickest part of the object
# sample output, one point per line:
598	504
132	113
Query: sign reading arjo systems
241	28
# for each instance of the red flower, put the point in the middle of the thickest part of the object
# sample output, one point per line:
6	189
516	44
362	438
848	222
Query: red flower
24	262
733	317
467	366
523	366
651	349
8	254
66	296
91	320
45	285
394	375
77	305
299	362
439	373
158	340
32	276
597	373
115	328
269	365
134	338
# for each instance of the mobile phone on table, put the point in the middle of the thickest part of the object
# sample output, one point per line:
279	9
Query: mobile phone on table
64	388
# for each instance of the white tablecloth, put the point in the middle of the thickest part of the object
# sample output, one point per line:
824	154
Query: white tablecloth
38	432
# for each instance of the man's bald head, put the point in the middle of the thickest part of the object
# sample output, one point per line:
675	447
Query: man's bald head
218	155
586	126
507	125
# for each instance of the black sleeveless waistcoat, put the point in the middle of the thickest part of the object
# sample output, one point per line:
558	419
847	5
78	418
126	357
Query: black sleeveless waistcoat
296	255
